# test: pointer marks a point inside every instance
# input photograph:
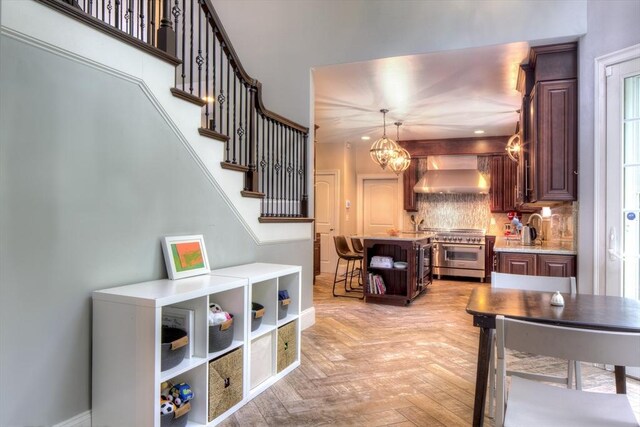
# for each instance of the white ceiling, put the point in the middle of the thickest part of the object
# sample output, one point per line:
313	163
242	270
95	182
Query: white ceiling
437	95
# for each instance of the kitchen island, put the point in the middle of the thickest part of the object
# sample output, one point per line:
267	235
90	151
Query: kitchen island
388	282
552	258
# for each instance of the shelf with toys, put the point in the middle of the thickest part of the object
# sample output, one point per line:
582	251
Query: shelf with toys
208	362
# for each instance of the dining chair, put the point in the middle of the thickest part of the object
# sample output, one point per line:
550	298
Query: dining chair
532	403
533	283
345	253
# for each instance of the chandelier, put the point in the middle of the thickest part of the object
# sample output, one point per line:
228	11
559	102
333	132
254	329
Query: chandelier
514	147
402	159
384	150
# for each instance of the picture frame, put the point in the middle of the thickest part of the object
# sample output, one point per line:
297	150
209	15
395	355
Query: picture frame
185	256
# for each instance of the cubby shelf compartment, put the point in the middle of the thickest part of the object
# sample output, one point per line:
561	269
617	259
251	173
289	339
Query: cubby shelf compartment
127	329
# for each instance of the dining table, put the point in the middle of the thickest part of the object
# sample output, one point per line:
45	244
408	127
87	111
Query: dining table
600	312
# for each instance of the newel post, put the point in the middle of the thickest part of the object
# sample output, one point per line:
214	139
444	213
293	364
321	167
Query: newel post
166	33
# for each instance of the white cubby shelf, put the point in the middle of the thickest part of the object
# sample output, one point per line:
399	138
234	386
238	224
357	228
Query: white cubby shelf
127	332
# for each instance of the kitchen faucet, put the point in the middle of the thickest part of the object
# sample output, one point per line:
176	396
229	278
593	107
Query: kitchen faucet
541	229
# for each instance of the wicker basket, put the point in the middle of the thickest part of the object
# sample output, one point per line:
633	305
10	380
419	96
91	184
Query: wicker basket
225	383
221	336
173	348
287	345
283	306
257	312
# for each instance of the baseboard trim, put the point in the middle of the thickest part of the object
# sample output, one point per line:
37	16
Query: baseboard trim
80	420
307	318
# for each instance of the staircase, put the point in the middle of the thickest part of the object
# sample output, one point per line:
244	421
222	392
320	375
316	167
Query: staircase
266	153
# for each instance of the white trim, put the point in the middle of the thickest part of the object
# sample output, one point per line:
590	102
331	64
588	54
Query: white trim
360	196
307	318
80	420
599	155
35	24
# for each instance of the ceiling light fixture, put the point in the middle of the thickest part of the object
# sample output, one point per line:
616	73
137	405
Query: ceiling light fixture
401	161
365	138
384	149
514	147
478	132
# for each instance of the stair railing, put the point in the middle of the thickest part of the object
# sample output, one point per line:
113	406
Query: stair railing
269	149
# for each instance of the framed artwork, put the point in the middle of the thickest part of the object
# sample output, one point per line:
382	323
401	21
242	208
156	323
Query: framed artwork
185	256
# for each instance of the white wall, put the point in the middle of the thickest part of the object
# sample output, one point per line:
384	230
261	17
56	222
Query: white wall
613	25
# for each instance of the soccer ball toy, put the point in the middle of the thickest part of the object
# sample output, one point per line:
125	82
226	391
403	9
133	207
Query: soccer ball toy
215	308
167	407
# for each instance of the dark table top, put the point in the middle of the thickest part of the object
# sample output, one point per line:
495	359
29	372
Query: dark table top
580	310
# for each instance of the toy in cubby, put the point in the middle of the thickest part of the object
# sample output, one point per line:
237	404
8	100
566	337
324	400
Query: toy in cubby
174	403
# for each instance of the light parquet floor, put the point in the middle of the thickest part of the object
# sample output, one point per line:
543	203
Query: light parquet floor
378	365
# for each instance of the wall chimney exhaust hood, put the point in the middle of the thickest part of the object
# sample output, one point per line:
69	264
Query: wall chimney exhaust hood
452	174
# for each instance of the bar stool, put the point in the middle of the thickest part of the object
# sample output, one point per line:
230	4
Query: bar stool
345	253
356	244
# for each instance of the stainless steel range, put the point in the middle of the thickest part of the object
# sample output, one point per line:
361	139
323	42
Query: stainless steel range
459	252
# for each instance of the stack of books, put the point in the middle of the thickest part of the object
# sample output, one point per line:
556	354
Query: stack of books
376	284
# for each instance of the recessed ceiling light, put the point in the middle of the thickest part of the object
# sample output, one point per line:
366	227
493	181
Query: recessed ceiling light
365	138
478	132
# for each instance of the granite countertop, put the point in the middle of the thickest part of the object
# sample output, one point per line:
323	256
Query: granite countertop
550	247
409	236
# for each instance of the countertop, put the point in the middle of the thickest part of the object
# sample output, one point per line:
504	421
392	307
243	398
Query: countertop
550	247
409	236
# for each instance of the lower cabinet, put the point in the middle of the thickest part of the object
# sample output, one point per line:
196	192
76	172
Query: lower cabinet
216	375
536	264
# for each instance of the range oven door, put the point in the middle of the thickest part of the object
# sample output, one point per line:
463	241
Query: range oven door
451	255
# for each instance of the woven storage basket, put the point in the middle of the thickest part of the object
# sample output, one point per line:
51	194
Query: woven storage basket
221	336
170	420
287	345
175	343
283	307
225	383
257	312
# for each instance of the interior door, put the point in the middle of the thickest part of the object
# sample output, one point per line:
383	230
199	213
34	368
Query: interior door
326	215
622	270
380	206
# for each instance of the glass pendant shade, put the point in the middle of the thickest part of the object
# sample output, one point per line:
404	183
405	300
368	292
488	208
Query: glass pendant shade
384	150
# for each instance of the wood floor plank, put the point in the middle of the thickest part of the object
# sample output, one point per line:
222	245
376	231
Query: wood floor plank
378	365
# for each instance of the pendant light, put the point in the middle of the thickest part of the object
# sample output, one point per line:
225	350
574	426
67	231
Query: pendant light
514	147
401	161
384	149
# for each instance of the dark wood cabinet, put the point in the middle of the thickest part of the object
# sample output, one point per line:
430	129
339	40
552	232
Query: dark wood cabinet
502	196
533	264
553	171
402	285
547	170
556	265
410	178
316	256
489	259
518	263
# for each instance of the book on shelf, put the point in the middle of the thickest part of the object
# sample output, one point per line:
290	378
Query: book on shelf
376	284
181	318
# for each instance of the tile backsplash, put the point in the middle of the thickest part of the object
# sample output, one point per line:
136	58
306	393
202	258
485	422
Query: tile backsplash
455	210
472	211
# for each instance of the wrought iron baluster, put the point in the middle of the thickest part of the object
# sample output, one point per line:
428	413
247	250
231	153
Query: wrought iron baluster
247	142
295	173
199	57
272	167
213	73
207	95
184	42
141	22
235	107
176	12
263	163
280	170
191	60
228	132
305	200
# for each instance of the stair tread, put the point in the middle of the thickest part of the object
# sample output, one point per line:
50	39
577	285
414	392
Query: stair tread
188	97
213	134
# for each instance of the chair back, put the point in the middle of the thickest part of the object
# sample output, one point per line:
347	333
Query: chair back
342	247
565	285
588	345
356	243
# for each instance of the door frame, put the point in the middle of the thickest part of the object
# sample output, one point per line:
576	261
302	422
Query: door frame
599	154
338	227
360	196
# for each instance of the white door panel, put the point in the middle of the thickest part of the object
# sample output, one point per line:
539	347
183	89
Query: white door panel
326	215
380	206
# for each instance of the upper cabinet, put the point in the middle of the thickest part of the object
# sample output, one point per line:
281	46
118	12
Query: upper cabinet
410	178
502	196
548	165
